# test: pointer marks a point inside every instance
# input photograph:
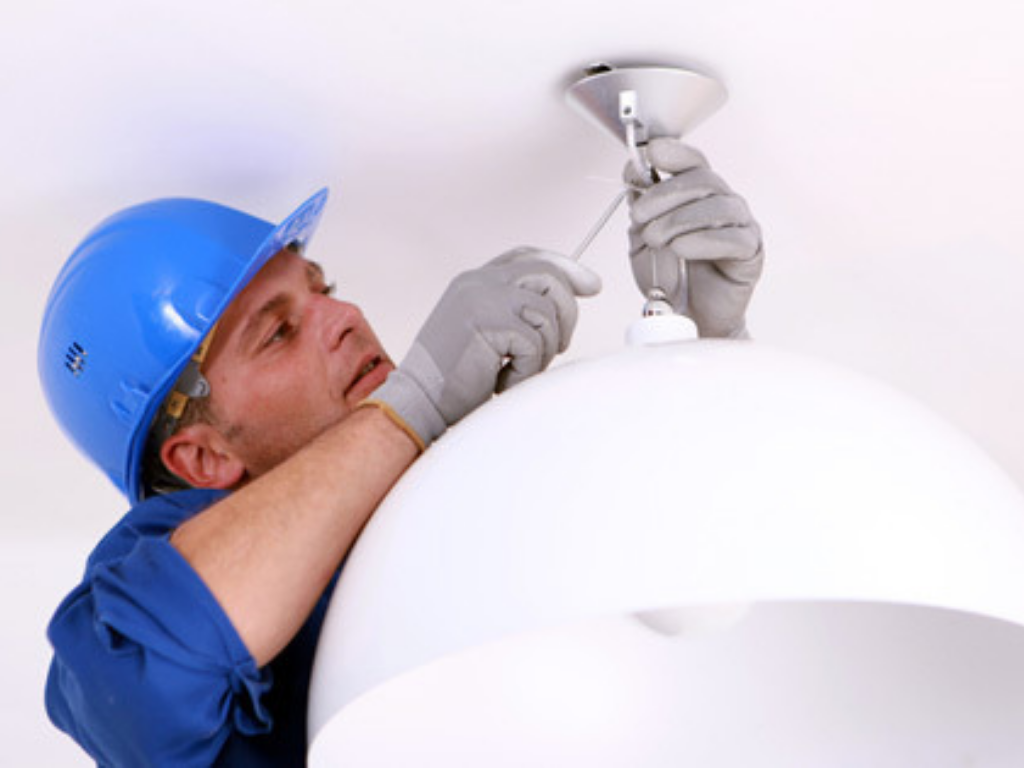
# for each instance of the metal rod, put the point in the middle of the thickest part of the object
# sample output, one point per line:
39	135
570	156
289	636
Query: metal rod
596	229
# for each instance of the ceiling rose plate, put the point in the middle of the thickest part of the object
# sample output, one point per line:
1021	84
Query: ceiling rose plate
664	101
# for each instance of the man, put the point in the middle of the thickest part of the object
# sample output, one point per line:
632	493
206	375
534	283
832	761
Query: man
187	345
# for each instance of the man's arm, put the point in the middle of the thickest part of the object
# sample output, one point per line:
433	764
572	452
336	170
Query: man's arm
268	551
158	656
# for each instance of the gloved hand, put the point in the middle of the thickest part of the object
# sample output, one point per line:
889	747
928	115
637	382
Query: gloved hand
694	218
493	327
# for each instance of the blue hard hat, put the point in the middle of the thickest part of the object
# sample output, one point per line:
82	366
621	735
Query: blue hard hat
131	306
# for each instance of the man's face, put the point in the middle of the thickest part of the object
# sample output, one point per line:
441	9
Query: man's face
287	362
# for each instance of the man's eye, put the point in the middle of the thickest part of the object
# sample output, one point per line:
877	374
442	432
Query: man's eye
282	332
328	290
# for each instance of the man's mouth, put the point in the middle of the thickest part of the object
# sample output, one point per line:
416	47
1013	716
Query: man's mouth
365	371
368	367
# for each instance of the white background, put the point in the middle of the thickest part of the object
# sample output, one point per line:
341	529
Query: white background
878	144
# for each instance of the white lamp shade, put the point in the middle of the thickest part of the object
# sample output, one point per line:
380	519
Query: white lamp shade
685	482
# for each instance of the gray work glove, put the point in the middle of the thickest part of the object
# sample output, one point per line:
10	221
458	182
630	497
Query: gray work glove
494	327
693	217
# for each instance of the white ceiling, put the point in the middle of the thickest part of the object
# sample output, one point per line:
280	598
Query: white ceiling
878	142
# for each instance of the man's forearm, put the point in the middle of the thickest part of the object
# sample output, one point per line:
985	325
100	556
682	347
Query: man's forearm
268	550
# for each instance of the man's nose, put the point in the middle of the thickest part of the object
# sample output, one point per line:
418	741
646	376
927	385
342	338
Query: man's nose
336	319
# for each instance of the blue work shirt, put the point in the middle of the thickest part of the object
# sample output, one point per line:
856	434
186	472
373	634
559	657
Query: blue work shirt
149	671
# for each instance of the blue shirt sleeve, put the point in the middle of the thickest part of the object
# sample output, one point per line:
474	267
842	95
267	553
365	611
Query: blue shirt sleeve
147	668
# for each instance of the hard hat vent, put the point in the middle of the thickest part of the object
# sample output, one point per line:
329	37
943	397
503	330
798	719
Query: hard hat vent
74	358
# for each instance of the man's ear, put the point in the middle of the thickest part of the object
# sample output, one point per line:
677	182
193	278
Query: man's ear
200	456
